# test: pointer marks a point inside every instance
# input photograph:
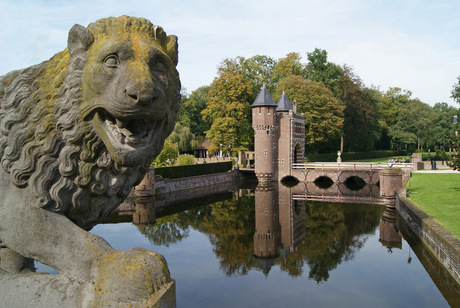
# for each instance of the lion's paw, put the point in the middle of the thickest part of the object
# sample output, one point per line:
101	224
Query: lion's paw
137	277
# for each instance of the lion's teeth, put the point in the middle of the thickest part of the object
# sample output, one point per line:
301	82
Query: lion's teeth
121	124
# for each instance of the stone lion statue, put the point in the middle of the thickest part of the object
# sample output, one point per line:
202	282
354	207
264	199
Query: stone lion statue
77	132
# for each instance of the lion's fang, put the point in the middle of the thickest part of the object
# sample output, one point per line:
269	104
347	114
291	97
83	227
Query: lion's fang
121	124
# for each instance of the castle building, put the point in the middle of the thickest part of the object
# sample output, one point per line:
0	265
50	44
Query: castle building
279	136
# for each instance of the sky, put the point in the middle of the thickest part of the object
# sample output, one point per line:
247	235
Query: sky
410	44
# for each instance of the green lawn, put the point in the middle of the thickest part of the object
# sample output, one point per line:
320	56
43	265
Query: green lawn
438	195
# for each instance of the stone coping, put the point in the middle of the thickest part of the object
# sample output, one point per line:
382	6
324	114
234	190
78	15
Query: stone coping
436	171
443	245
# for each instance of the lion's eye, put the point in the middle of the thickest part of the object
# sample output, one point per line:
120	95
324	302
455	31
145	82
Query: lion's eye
160	66
111	61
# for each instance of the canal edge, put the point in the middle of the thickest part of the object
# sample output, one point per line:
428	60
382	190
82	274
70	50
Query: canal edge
444	246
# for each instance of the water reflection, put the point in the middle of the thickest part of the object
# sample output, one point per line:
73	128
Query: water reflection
268	232
258	228
390	236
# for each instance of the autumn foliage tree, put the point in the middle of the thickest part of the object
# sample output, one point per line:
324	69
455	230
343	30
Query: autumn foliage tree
288	66
228	109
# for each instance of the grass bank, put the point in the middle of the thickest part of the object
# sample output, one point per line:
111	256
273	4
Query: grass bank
438	195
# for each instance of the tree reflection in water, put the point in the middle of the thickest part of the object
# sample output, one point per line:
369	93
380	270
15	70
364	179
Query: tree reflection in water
318	234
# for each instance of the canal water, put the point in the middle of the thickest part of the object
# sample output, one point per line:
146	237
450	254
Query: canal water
275	246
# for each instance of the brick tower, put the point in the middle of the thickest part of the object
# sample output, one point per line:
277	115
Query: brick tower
264	122
279	137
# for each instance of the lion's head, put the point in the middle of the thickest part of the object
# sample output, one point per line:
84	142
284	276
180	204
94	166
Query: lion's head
82	128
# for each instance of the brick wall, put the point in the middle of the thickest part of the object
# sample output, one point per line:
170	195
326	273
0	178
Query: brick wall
162	186
441	242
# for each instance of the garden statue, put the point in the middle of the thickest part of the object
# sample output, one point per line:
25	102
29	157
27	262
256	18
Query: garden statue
77	132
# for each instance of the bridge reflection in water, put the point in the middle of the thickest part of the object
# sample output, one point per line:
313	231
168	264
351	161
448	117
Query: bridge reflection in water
281	219
258	228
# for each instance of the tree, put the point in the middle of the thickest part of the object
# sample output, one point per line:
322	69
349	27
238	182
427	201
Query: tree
392	101
454	139
189	114
444	123
414	125
323	112
183	138
259	71
361	127
455	94
228	109
287	66
319	69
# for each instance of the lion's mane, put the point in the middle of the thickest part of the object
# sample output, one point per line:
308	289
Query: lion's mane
46	145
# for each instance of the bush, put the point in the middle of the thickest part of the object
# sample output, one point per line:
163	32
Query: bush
167	156
185	159
176	172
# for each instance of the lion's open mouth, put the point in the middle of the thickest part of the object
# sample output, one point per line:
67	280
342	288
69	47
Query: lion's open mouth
133	132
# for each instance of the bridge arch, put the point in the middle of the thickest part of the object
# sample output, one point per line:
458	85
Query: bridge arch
289	179
346	175
323	182
315	174
355	182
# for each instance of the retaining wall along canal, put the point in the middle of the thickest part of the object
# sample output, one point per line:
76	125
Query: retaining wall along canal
154	184
441	242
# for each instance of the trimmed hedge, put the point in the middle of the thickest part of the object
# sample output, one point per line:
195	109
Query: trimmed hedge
347	156
176	172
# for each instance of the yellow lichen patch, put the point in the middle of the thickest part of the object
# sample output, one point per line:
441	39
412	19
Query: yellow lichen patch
134	275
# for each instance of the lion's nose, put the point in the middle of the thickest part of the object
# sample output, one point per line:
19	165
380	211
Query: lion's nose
140	92
133	95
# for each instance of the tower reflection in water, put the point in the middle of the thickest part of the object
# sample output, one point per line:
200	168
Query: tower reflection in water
279	224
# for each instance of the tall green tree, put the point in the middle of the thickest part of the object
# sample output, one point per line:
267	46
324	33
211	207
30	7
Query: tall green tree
361	127
323	112
183	138
189	114
389	107
259	71
455	94
319	69
454	139
444	123
415	124
228	109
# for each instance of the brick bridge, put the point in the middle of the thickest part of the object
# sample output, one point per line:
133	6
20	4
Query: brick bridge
341	172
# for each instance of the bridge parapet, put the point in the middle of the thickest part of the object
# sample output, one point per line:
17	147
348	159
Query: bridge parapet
340	172
351	166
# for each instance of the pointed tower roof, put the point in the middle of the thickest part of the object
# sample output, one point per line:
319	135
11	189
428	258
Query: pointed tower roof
265	264
284	104
264	98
